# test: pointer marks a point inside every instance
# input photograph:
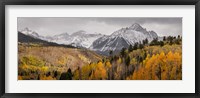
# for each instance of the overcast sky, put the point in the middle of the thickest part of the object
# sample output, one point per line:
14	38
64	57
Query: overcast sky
53	26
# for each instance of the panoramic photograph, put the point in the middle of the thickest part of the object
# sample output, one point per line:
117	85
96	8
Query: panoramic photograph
99	48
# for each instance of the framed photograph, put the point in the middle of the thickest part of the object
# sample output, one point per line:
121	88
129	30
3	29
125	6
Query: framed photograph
113	48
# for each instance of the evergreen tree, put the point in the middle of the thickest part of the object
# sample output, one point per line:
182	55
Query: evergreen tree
164	38
127	61
123	52
141	46
69	74
154	42
135	46
130	48
111	52
66	75
161	43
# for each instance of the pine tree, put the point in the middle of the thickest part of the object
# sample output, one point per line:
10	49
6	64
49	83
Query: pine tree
130	48
164	38
111	52
123	52
135	46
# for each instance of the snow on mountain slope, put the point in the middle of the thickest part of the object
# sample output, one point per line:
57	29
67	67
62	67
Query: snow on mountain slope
99	42
63	38
122	38
31	33
86	40
77	39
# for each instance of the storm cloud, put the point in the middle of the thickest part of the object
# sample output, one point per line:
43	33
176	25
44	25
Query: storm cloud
49	26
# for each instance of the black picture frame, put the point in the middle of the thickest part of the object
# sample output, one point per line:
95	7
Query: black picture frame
99	2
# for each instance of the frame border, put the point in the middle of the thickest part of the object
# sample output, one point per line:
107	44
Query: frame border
3	3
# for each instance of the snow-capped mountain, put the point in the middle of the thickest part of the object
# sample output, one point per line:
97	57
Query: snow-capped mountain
63	38
81	38
78	39
99	42
122	38
31	33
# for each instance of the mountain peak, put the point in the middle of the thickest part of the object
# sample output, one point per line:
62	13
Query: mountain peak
122	38
80	32
136	27
63	34
26	31
29	32
136	24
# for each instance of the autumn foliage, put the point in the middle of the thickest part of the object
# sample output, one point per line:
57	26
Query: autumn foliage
155	60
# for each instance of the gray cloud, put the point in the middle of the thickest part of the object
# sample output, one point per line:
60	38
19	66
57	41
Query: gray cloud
106	25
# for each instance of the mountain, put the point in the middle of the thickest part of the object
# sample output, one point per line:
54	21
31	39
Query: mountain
29	39
28	32
122	38
82	39
99	42
23	38
63	38
78	39
33	34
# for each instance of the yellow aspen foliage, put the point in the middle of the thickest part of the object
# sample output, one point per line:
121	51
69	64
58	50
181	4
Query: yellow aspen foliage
44	69
85	59
178	59
24	66
119	61
128	78
86	71
146	59
162	57
20	78
62	61
47	78
99	64
135	76
133	61
100	72
149	63
179	76
173	73
76	75
140	74
160	66
108	64
170	56
92	66
118	72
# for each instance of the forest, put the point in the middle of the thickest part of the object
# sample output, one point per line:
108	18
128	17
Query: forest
145	60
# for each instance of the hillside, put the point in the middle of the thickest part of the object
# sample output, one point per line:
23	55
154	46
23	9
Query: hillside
51	60
157	60
149	63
